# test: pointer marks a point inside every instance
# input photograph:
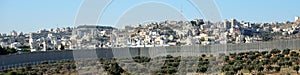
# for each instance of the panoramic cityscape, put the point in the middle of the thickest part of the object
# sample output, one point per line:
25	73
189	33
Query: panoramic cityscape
192	37
155	34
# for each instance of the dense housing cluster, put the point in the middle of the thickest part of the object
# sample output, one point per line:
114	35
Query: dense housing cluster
164	33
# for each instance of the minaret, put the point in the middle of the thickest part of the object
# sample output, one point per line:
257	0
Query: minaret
31	41
45	45
297	18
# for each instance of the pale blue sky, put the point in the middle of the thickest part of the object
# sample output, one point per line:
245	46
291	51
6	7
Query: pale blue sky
33	15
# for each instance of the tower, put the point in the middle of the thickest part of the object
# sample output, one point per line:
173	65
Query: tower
32	41
44	45
227	24
233	22
297	18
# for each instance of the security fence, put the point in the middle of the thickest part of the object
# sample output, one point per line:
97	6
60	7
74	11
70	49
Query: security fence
19	60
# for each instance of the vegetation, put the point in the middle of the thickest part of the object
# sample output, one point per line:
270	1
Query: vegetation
170	66
7	50
274	61
254	62
25	48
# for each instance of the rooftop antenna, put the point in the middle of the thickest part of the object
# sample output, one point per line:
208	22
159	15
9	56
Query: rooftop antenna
181	8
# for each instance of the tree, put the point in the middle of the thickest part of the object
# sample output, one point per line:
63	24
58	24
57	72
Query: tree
275	51
169	56
11	50
24	47
171	70
260	68
237	68
15	73
226	58
267	56
115	69
265	61
203	55
238	57
141	59
230	62
286	51
275	59
281	64
266	36
2	51
202	69
288	63
269	67
7	50
225	68
294	59
252	57
294	54
286	58
296	68
202	39
277	68
250	67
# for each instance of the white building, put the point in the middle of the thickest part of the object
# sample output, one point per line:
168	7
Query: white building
297	18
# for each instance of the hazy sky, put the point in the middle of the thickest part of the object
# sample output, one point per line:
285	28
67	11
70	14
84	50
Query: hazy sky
33	15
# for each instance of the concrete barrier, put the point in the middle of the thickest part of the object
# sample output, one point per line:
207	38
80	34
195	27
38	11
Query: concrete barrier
195	50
